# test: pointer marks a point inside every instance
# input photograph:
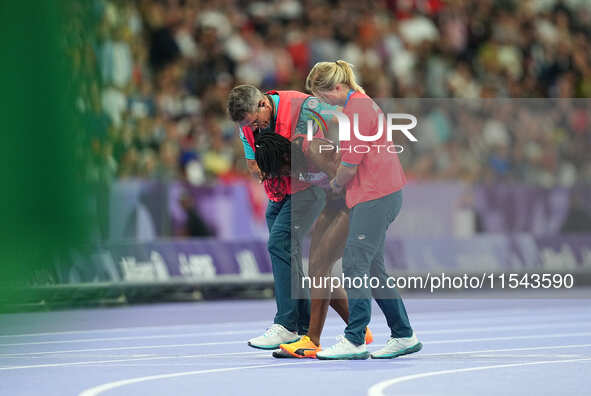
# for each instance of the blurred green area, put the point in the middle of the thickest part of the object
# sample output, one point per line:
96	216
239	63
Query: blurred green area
44	199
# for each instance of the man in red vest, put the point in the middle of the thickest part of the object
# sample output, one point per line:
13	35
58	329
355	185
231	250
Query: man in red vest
285	113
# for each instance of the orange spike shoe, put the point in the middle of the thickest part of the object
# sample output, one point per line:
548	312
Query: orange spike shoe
368	336
303	348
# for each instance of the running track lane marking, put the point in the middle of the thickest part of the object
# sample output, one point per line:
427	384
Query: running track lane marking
423	355
378	389
97	390
129	360
253	331
582	334
432	318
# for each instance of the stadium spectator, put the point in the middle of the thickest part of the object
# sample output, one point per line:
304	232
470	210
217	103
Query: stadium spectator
166	66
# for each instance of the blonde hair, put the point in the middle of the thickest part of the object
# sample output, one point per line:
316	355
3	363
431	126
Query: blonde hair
324	76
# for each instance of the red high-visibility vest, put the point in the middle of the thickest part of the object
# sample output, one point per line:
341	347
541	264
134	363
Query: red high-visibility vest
288	111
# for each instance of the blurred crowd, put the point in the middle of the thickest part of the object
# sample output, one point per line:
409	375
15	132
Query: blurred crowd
166	67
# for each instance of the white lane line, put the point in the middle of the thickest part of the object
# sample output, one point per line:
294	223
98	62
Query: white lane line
491	329
503	328
329	327
97	390
126	348
152	337
116	329
422	355
378	389
420	317
430	342
131	360
266	353
518	356
530	337
99	362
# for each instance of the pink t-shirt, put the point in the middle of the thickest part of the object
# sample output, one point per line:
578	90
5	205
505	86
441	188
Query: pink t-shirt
379	172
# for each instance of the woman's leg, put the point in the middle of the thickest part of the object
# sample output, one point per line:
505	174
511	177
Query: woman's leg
306	207
328	241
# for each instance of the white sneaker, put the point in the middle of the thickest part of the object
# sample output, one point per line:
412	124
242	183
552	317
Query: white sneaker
344	350
273	337
397	347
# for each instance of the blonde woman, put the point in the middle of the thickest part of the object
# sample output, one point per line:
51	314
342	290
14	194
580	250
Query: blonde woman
373	180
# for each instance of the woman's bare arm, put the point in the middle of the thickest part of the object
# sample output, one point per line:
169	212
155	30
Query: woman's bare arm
323	154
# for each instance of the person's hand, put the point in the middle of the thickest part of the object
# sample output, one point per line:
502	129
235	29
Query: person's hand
335	187
331	196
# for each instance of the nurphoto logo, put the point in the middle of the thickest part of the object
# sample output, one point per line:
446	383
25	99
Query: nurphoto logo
391	127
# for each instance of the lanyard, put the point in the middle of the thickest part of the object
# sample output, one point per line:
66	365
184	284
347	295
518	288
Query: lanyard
351	92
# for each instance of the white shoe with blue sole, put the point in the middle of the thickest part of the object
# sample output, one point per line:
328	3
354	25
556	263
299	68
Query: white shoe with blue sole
398	347
344	350
273	337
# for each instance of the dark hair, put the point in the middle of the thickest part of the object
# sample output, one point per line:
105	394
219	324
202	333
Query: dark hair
274	153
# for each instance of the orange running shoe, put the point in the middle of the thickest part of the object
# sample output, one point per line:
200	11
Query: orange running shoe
368	336
303	348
